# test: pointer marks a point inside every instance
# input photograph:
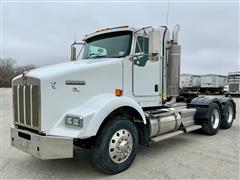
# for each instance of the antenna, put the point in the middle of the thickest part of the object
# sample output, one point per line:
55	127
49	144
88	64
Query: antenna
168	7
75	38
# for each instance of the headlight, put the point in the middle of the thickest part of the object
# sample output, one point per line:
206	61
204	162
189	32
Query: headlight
69	120
74	120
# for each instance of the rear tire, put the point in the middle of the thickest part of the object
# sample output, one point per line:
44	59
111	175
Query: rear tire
228	115
115	146
212	123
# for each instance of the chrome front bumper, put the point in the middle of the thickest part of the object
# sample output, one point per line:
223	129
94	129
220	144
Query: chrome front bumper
42	147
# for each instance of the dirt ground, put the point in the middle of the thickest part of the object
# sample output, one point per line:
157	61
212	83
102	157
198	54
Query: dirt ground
187	156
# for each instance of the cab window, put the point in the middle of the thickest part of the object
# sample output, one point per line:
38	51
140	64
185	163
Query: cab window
141	46
109	45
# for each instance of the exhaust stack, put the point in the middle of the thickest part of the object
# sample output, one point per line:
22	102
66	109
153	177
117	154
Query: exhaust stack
173	65
175	34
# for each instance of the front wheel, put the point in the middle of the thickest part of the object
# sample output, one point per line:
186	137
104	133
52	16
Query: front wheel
115	146
212	123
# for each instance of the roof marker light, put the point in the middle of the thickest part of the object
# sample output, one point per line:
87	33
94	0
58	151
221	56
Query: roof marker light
124	26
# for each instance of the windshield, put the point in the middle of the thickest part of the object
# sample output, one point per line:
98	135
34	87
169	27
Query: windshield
110	45
234	77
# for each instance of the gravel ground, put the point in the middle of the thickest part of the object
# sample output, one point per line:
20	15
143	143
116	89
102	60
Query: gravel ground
186	156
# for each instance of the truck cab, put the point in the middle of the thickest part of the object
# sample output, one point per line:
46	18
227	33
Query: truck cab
120	90
234	83
132	52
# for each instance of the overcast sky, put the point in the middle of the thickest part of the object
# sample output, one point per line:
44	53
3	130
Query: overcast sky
41	33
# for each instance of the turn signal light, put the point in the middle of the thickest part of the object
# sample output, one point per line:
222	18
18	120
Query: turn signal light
118	92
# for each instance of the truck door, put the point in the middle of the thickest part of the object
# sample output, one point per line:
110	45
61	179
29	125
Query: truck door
146	75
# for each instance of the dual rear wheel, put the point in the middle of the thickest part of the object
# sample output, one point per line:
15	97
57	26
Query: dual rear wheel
216	118
228	116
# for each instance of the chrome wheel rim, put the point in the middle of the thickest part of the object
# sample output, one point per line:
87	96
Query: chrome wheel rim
215	118
229	114
120	146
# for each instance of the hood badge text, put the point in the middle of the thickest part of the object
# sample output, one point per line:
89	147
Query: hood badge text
75	82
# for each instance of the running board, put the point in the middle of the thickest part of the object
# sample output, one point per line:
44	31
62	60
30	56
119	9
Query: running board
166	136
175	133
193	127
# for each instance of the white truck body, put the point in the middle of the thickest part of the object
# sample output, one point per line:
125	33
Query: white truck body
101	77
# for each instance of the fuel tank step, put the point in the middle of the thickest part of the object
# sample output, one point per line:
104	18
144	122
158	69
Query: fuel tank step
175	133
166	136
193	127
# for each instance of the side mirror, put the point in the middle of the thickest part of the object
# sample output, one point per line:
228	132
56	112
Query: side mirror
154	42
73	53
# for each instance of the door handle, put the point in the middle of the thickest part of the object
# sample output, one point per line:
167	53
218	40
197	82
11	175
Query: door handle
156	87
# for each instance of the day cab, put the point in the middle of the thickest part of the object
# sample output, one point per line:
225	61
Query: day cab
120	89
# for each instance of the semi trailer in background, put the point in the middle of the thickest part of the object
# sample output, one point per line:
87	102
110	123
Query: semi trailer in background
204	84
190	83
234	83
119	91
213	83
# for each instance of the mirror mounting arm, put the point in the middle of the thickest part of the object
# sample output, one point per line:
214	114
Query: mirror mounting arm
136	55
154	57
74	56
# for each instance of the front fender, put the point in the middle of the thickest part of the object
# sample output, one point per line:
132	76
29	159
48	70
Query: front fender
94	111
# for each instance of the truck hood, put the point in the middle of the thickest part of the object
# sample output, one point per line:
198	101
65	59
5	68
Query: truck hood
55	70
66	86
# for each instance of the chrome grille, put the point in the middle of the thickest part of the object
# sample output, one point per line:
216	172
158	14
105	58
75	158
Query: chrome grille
26	103
233	87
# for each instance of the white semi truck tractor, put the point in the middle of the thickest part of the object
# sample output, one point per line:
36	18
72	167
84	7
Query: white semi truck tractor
120	91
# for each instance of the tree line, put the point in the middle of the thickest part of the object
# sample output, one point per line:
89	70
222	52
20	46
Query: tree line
9	70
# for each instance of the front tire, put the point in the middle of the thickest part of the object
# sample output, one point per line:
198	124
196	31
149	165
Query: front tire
115	146
212	123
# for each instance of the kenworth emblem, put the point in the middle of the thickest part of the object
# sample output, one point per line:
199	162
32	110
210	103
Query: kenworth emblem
53	84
